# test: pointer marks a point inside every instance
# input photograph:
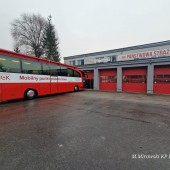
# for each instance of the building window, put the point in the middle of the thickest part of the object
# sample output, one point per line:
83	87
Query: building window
108	79
134	79
80	62
114	58
73	63
162	79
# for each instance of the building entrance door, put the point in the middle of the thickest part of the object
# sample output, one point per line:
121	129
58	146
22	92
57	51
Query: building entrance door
89	83
90	79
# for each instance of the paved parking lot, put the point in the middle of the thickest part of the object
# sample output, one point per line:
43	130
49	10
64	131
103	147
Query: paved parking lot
86	130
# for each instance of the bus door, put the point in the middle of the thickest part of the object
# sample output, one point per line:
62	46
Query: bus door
54	78
63	84
45	83
54	84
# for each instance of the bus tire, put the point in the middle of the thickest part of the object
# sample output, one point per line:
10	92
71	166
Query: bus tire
76	88
30	94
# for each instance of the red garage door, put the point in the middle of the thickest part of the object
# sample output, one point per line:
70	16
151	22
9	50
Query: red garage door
134	79
108	79
161	80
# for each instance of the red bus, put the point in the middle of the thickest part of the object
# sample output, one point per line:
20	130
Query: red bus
23	76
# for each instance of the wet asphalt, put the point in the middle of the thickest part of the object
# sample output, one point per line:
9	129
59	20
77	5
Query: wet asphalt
86	130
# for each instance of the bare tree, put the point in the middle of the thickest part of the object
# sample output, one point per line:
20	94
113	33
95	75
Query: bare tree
27	31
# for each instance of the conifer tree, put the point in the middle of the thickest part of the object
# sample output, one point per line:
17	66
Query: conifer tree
50	42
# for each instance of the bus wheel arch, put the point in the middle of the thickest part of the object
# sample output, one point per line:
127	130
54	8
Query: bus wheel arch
30	94
76	88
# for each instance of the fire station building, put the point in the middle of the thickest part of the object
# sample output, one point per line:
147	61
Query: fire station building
144	68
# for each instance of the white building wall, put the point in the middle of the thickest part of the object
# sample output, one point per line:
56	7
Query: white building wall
91	58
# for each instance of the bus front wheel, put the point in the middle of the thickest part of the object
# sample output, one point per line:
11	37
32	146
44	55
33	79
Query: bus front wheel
30	94
76	88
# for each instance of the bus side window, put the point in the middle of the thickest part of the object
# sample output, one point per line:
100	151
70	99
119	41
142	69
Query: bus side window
9	64
70	72
59	71
63	71
54	70
31	67
46	69
76	74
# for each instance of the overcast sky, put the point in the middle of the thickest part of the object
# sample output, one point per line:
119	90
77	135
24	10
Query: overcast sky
86	26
